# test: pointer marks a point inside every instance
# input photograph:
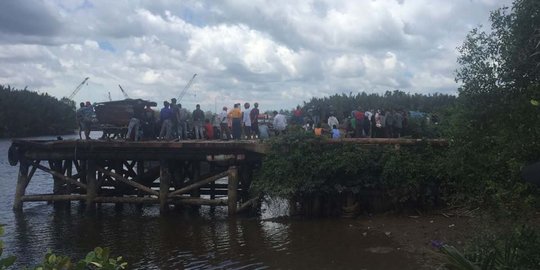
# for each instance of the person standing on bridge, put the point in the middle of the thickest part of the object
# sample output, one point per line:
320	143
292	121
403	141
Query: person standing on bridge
80	122
246	120
135	121
149	123
165	117
254	116
89	116
198	121
280	123
182	118
332	121
236	117
174	119
224	124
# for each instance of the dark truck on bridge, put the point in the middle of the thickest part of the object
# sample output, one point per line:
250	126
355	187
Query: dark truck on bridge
113	116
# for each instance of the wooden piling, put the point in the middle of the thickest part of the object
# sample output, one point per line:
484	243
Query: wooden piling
164	184
196	177
245	176
91	185
232	194
22	183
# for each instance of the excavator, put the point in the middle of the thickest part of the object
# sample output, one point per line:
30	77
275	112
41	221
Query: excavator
123	92
78	88
188	85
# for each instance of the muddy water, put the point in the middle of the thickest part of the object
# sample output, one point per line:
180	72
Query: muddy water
203	240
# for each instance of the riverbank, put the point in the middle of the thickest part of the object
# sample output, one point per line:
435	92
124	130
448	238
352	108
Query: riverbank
415	234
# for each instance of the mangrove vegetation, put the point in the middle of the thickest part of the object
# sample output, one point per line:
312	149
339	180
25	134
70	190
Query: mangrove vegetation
26	113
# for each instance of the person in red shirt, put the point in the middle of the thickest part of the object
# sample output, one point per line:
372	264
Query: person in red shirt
359	115
208	129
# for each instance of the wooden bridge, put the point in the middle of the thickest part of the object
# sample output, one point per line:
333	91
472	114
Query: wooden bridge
215	173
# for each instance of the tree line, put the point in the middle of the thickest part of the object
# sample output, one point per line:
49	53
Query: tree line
343	104
26	113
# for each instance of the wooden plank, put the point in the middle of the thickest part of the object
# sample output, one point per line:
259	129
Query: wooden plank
151	200
33	171
198	201
128	182
250	203
199	184
127	200
59	175
53	197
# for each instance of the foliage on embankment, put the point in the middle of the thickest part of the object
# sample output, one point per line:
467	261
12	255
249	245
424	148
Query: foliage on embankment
26	113
303	165
495	127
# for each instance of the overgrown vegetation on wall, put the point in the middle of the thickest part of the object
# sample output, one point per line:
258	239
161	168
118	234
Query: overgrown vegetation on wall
300	166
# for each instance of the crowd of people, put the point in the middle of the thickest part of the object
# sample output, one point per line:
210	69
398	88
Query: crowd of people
176	123
245	122
356	124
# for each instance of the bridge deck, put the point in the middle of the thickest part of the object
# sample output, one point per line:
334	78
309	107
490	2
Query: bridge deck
192	149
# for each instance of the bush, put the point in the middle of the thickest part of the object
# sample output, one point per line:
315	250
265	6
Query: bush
99	258
302	165
515	250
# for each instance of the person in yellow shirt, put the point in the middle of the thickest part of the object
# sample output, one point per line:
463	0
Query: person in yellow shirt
236	115
318	130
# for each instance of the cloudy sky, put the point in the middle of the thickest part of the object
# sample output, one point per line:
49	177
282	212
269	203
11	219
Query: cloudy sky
278	53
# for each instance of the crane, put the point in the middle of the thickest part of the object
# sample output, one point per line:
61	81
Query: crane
188	85
78	88
123	92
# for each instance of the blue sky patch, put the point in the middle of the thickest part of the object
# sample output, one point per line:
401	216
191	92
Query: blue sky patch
106	46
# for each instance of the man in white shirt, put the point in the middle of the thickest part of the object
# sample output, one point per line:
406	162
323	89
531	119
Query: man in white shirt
280	123
332	121
224	124
246	120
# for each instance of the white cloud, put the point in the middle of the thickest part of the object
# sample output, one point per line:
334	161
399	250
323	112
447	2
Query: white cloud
278	53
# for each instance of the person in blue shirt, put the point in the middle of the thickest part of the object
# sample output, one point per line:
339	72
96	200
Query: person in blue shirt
165	116
335	132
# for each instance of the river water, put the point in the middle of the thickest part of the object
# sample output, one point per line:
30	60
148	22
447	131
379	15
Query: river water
207	240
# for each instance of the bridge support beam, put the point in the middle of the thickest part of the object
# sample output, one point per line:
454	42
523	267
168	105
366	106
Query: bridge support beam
232	194
22	183
91	185
164	185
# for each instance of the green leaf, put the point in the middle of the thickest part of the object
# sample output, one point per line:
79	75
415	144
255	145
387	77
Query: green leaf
7	262
52	259
96	264
90	257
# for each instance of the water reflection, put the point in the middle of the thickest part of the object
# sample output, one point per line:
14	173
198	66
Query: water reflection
149	241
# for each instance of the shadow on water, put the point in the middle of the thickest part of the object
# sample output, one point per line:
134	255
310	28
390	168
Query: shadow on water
183	240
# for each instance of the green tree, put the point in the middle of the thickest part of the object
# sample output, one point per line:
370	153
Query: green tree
27	113
496	130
